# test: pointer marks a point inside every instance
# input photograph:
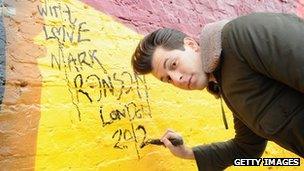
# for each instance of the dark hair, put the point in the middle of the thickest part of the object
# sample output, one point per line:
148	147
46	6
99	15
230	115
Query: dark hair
166	38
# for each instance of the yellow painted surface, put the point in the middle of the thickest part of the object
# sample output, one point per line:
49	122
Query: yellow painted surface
72	135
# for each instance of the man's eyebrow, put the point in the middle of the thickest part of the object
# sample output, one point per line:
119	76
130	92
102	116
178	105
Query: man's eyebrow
165	63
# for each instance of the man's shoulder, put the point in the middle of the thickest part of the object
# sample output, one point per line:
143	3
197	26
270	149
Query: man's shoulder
257	17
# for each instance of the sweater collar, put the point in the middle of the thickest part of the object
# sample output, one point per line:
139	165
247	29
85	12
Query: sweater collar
211	48
211	44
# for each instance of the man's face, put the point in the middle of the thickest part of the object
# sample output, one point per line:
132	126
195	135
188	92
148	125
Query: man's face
183	69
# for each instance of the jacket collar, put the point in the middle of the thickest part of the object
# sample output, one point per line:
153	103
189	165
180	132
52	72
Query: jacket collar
211	44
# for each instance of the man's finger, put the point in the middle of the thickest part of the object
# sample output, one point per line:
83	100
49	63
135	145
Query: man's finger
170	135
167	143
170	130
167	132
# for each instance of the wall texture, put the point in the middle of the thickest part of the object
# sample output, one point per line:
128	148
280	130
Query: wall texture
70	100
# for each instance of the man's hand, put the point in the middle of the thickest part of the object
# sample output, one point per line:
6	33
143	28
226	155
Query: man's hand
181	150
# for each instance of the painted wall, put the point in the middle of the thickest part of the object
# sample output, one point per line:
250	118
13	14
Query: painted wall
70	100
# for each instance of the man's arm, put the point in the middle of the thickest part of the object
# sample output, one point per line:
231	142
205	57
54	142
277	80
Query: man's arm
274	46
218	156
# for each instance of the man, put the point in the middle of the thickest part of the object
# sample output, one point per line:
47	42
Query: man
255	63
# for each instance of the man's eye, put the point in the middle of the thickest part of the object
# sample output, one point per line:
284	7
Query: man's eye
173	65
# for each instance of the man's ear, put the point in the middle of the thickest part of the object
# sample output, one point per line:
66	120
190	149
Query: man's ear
190	42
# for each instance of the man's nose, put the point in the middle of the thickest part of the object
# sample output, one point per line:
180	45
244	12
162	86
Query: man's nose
177	77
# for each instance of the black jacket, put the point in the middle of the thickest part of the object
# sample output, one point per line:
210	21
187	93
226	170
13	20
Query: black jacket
261	76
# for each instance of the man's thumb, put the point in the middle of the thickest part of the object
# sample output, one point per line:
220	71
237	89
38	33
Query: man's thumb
167	143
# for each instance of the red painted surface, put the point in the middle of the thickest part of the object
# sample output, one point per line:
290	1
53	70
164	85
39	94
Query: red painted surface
187	15
300	8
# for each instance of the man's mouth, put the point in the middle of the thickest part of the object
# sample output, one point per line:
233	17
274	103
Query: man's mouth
189	82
